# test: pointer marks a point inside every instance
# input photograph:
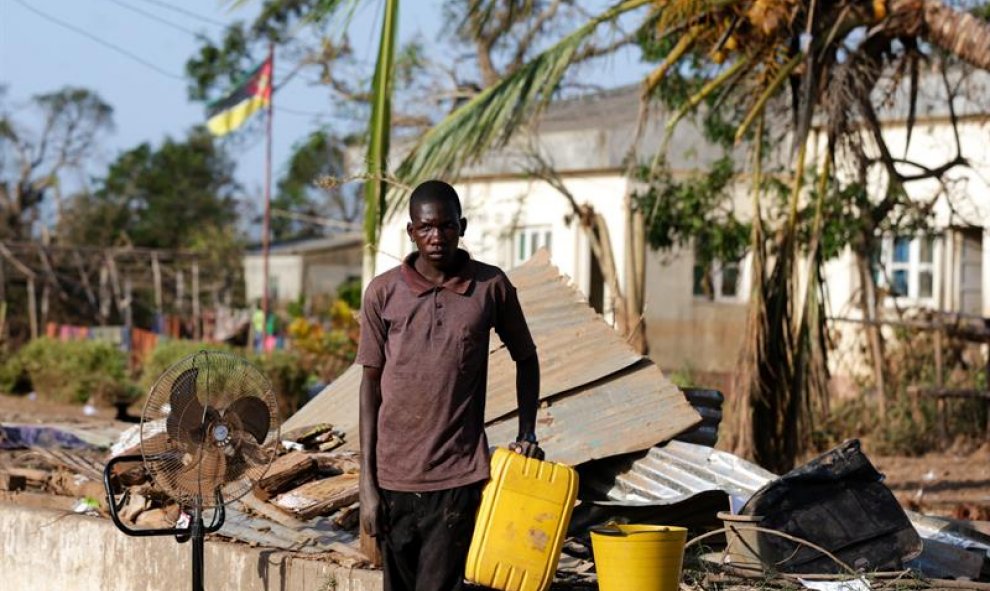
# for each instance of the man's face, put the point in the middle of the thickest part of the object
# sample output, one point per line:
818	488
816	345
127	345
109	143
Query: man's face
436	230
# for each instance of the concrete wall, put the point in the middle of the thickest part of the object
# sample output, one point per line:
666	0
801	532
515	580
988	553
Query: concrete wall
46	550
686	333
285	272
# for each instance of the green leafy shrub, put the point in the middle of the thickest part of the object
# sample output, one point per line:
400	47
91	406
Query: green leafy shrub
289	377
14	378
73	371
283	369
167	353
350	292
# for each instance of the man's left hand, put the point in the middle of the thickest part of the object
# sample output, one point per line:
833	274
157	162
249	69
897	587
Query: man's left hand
528	449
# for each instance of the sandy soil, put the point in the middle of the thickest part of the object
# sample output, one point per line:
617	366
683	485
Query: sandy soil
952	485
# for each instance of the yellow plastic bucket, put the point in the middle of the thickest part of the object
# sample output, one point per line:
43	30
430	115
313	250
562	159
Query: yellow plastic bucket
638	557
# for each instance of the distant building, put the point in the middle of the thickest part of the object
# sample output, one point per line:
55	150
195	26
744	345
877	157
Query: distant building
303	268
691	326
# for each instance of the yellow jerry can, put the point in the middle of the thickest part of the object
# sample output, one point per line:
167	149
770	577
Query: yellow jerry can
525	510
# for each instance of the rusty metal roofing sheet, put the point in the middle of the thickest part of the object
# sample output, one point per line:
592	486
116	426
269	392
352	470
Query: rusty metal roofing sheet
600	397
575	345
314	536
679	470
624	413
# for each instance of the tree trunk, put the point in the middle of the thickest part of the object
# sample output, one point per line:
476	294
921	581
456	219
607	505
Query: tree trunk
868	307
960	33
955	31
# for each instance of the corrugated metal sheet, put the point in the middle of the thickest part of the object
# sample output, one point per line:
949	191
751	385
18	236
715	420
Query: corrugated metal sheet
627	412
575	345
601	398
317	535
678	471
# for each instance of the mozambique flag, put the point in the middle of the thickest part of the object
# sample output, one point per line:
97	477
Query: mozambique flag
255	92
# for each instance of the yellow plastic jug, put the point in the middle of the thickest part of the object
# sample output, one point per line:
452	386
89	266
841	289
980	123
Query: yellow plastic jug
523	518
638	557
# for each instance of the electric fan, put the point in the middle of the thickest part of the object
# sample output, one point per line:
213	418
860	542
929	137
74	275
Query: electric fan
209	431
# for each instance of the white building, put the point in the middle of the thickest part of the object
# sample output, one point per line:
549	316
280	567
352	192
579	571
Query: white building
511	214
303	268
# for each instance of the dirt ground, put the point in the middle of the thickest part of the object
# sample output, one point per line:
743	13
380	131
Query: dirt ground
947	484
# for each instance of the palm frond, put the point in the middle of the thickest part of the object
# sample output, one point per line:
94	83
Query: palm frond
711	86
767	94
489	119
379	131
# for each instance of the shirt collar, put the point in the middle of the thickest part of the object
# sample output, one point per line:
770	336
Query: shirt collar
459	281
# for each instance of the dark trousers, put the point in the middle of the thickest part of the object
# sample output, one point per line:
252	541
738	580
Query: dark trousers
426	538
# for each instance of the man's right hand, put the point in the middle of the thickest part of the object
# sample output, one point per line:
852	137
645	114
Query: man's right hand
370	501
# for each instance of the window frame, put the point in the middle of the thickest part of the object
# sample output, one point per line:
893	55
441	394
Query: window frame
717	275
529	239
913	266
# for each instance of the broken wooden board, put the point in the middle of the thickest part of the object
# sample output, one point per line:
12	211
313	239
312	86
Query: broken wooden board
337	462
286	471
12	482
370	549
32	477
319	497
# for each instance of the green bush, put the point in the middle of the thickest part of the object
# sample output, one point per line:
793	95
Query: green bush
350	292
288	375
14	378
73	371
282	368
167	353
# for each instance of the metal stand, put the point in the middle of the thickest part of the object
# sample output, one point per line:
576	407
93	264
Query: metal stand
197	549
196	531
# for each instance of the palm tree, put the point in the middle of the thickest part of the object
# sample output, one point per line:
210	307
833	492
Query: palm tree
830	56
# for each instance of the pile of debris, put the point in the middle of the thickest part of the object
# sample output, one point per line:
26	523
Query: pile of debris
644	451
306	501
608	411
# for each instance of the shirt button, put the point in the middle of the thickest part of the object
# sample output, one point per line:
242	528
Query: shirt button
439	305
439	322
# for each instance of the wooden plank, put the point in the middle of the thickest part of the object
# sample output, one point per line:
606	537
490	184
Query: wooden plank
371	549
320	497
32	476
12	482
337	462
954	393
269	511
286	471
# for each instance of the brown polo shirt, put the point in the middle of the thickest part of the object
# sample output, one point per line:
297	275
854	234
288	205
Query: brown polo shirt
432	345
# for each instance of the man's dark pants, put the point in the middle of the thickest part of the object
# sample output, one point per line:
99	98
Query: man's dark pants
426	539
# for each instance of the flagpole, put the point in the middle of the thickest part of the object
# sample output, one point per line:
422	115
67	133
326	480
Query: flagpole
266	230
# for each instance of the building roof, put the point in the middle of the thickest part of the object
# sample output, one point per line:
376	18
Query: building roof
310	245
595	132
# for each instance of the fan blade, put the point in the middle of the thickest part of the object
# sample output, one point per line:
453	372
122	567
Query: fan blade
246	454
186	414
253	415
203	476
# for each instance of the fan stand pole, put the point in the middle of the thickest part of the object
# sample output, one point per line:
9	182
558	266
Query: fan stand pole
196	535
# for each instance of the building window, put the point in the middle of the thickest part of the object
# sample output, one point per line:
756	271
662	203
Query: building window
718	281
908	267
528	241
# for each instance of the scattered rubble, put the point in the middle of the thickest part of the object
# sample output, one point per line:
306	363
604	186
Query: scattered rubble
605	410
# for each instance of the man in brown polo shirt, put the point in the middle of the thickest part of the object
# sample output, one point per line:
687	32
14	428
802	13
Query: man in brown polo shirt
424	346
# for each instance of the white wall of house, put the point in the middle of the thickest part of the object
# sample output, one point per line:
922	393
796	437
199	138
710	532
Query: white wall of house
508	219
285	275
509	215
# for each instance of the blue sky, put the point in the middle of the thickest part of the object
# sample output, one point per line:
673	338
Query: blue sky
38	55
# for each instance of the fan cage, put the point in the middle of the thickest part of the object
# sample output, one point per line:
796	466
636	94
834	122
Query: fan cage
185	449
